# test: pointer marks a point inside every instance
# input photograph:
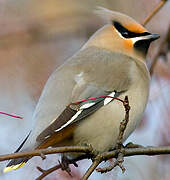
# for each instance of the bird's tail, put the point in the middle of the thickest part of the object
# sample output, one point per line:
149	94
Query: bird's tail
15	164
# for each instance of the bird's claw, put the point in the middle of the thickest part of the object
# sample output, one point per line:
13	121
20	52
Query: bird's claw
65	165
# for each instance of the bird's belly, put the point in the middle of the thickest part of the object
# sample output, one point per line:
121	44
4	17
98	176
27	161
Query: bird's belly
101	129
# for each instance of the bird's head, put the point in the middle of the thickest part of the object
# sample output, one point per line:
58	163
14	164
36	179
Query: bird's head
123	34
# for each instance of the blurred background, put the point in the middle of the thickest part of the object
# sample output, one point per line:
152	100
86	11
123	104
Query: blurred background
35	38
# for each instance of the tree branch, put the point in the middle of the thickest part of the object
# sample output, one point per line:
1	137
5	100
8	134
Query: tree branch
65	149
47	172
162	45
151	151
95	163
123	124
155	10
90	152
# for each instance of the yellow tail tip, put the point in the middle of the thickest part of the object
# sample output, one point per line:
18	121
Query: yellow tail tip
13	167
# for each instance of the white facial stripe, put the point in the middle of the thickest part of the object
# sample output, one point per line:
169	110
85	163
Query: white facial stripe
135	39
87	105
142	38
119	34
108	100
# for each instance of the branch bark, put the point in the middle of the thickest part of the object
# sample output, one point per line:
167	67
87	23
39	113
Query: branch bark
151	151
65	149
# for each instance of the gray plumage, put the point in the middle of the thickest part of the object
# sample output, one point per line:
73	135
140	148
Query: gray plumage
107	64
97	75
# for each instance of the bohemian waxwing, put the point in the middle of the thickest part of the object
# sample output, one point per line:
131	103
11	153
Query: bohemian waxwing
111	63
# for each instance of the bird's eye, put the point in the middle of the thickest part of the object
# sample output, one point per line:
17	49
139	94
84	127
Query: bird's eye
126	33
123	31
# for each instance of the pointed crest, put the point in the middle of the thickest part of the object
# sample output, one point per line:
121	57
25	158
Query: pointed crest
125	20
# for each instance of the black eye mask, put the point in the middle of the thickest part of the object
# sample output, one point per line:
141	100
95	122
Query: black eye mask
126	33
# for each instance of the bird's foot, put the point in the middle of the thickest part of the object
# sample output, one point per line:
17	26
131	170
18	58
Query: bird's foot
93	153
118	162
131	145
65	164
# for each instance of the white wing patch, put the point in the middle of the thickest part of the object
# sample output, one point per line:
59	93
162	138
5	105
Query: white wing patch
108	100
70	121
84	106
47	137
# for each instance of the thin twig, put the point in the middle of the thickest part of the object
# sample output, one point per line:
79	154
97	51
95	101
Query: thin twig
123	124
155	10
146	20
91	169
119	144
47	172
56	167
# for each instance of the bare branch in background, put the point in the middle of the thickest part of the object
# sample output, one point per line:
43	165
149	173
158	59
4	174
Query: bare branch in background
161	49
155	10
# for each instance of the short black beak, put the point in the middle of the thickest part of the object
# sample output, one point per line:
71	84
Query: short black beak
153	37
143	44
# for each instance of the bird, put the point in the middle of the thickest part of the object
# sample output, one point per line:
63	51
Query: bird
112	63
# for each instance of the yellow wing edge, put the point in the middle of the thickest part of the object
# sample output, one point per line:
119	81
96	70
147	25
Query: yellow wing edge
13	167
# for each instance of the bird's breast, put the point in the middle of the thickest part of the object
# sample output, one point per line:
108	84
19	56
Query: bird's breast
101	129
